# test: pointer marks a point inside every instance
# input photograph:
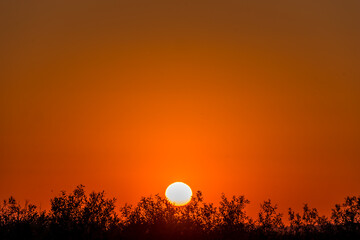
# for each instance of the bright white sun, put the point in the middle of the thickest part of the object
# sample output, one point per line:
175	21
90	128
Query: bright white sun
178	194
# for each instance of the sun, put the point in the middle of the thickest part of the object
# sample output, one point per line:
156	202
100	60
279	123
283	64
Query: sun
178	193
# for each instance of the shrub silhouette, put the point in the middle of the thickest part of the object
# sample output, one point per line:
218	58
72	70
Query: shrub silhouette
20	222
81	216
269	219
346	217
77	215
307	224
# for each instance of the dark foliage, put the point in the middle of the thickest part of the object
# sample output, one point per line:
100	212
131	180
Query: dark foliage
78	215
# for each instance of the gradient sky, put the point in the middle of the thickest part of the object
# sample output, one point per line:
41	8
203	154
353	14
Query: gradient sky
260	98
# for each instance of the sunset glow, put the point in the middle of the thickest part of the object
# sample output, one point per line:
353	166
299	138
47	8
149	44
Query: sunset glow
254	98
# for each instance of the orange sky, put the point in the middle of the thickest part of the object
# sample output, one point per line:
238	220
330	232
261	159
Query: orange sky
260	99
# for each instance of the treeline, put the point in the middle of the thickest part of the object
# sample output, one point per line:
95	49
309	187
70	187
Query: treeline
78	215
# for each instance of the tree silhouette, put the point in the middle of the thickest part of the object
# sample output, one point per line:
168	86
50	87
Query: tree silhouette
269	219
20	222
78	215
346	216
308	224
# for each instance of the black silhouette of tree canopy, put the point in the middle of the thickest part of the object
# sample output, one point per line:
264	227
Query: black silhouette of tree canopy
78	215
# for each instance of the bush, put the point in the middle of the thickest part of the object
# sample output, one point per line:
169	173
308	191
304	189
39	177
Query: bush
78	215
